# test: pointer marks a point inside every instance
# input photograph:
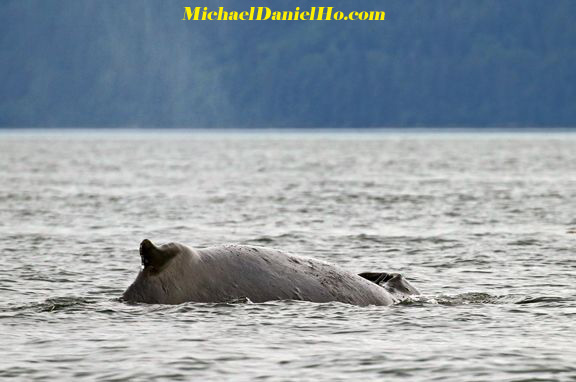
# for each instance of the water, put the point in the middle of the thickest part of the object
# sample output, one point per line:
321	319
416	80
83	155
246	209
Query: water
479	222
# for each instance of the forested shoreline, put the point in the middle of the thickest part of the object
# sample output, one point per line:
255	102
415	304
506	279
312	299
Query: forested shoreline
430	63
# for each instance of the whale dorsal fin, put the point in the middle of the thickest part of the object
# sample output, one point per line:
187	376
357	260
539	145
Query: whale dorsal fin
152	256
376	277
392	282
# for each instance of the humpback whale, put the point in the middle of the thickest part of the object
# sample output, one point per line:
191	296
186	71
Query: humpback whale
174	273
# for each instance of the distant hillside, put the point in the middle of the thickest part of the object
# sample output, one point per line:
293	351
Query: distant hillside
430	63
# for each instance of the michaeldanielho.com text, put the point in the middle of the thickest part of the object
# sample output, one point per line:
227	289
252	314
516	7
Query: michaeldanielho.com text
265	13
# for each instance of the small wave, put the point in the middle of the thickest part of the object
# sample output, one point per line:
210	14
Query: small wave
263	239
56	304
524	242
543	299
387	239
478	298
63	304
268	239
459	299
394	199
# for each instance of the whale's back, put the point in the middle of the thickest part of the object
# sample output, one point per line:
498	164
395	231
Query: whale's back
173	274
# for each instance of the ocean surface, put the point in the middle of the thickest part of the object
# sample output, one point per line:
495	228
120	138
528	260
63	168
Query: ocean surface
480	222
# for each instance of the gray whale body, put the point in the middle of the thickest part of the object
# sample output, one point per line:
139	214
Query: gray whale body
174	273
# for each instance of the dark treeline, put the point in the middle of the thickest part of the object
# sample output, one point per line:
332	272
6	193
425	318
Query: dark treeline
430	63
